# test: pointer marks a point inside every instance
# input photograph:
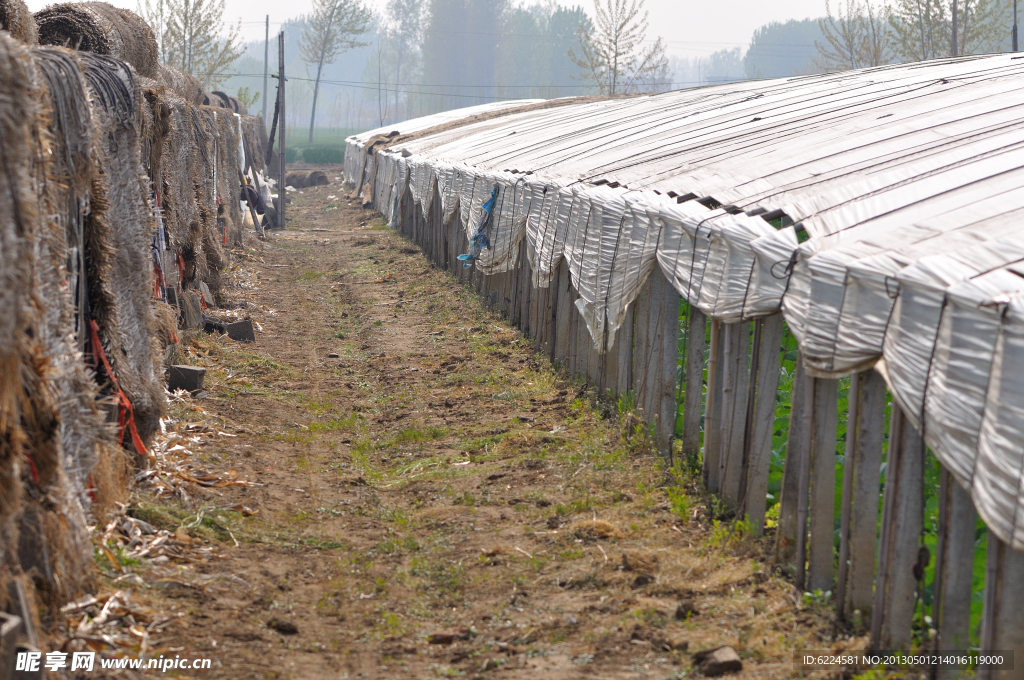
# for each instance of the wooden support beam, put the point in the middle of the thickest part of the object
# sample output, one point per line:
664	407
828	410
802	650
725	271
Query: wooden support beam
668	405
825	416
757	452
624	354
573	344
560	351
902	519
735	385
583	345
641	330
865	425
526	290
1002	623
954	571
652	349
694	385
789	533
713	417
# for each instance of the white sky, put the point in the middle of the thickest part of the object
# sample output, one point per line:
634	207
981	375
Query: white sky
689	27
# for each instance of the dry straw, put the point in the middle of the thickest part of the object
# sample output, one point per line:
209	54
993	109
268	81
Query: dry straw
101	28
16	19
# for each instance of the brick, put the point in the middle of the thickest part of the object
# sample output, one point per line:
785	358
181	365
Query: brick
188	378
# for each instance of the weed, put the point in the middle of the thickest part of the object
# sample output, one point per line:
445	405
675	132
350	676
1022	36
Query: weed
728	536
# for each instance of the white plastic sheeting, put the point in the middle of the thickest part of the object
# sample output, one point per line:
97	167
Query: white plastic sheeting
904	183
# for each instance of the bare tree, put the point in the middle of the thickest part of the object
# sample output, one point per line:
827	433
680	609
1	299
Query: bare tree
613	55
191	37
857	36
333	28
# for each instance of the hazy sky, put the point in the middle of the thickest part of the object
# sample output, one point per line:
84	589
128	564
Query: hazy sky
689	27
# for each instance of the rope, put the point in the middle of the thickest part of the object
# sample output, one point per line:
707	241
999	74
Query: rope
126	416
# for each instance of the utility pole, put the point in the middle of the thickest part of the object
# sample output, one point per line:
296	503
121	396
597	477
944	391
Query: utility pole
266	60
953	52
280	131
1015	26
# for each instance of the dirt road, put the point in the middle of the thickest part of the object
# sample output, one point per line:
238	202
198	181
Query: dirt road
407	491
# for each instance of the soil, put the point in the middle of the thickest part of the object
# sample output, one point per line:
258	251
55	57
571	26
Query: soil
420	494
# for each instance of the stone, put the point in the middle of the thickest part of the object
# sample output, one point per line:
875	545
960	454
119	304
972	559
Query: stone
188	378
242	331
10	625
685	610
719	661
191	310
283	627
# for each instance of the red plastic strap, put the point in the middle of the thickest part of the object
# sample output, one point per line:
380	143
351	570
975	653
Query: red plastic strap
32	468
126	415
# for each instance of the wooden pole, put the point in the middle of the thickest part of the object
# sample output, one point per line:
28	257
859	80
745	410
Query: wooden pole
1002	625
694	390
954	571
266	69
902	520
641	328
823	485
669	363
713	416
796	448
758	449
861	479
624	354
734	413
562	316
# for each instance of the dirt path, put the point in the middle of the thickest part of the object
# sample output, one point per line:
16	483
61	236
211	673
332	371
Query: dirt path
428	498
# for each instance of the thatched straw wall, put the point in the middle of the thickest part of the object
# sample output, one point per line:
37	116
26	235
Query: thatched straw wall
89	148
101	28
255	133
183	84
16	19
50	427
123	222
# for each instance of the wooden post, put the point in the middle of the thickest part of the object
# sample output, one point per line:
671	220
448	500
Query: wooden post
758	447
713	416
1002	624
641	329
562	316
734	413
797	446
895	587
954	570
624	354
583	345
861	478
574	322
823	485
668	407
694	392
652	349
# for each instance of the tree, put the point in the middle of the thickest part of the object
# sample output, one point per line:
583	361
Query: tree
780	50
247	98
857	37
332	29
403	32
188	33
612	54
923	29
461	51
